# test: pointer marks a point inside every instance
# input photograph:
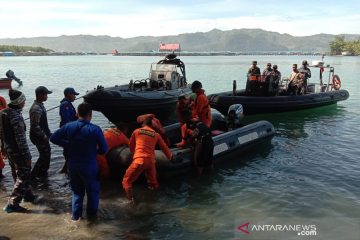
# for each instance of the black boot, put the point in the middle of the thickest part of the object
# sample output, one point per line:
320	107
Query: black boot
1	174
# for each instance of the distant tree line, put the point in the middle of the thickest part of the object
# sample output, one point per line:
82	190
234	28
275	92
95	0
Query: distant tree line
340	45
18	49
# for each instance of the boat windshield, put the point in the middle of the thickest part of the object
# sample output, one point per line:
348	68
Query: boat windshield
163	67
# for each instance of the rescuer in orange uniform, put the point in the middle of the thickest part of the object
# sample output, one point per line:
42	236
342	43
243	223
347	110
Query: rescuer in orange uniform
2	164
201	104
183	104
156	125
143	141
114	137
196	132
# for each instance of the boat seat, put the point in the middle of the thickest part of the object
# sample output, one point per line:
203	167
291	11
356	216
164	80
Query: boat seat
216	133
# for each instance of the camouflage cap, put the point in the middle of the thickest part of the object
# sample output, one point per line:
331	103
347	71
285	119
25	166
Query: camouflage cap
254	62
275	66
269	64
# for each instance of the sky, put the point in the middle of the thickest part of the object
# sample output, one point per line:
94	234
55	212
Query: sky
119	18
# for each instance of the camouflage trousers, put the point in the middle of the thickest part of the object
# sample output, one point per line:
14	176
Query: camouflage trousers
43	162
21	175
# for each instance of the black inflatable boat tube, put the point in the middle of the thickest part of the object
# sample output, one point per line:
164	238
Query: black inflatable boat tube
227	146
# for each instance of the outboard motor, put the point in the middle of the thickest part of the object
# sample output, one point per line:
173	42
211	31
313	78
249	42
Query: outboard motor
235	114
10	74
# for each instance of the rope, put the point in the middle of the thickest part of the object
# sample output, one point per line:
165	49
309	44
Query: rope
48	110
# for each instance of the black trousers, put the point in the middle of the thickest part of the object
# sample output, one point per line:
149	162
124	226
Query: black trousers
204	149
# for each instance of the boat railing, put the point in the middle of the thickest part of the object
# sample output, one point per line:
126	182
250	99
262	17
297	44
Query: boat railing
324	87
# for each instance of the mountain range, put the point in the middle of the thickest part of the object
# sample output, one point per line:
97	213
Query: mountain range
214	40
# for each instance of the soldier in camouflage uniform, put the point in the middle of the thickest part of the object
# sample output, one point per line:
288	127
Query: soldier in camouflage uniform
254	69
2	164
274	80
14	147
40	132
267	72
305	71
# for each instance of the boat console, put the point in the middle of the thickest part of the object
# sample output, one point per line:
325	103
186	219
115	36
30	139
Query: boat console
163	75
260	85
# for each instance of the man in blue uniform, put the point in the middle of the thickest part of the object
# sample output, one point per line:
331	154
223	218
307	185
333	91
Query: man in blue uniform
67	114
15	148
83	140
67	110
40	132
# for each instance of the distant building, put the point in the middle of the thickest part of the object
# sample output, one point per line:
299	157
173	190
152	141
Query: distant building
8	54
90	53
169	47
347	53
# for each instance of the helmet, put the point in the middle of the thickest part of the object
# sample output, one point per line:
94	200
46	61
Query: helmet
196	85
304	62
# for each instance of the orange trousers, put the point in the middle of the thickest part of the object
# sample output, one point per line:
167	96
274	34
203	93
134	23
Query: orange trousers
134	171
2	164
103	165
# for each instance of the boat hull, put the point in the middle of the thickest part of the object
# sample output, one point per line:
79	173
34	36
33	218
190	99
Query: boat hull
119	105
228	146
5	82
275	104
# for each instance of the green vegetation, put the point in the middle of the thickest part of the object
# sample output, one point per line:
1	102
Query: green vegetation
215	40
18	49
340	45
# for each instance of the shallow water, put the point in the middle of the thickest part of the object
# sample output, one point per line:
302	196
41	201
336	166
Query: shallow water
309	169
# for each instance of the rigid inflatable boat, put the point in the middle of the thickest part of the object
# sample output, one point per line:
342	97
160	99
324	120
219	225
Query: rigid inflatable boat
272	98
157	94
230	140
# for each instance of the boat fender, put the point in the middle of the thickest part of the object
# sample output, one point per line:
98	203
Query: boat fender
336	83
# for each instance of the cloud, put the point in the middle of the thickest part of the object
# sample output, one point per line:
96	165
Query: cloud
61	18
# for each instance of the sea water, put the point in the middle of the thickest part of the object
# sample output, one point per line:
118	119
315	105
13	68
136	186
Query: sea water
310	169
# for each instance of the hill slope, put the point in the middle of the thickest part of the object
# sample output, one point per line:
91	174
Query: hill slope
214	40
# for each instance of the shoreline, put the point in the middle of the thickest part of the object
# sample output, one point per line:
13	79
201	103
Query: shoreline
180	55
194	54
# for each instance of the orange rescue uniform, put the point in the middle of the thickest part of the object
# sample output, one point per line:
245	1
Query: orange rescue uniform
181	107
114	137
3	105
202	108
156	125
186	134
143	141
